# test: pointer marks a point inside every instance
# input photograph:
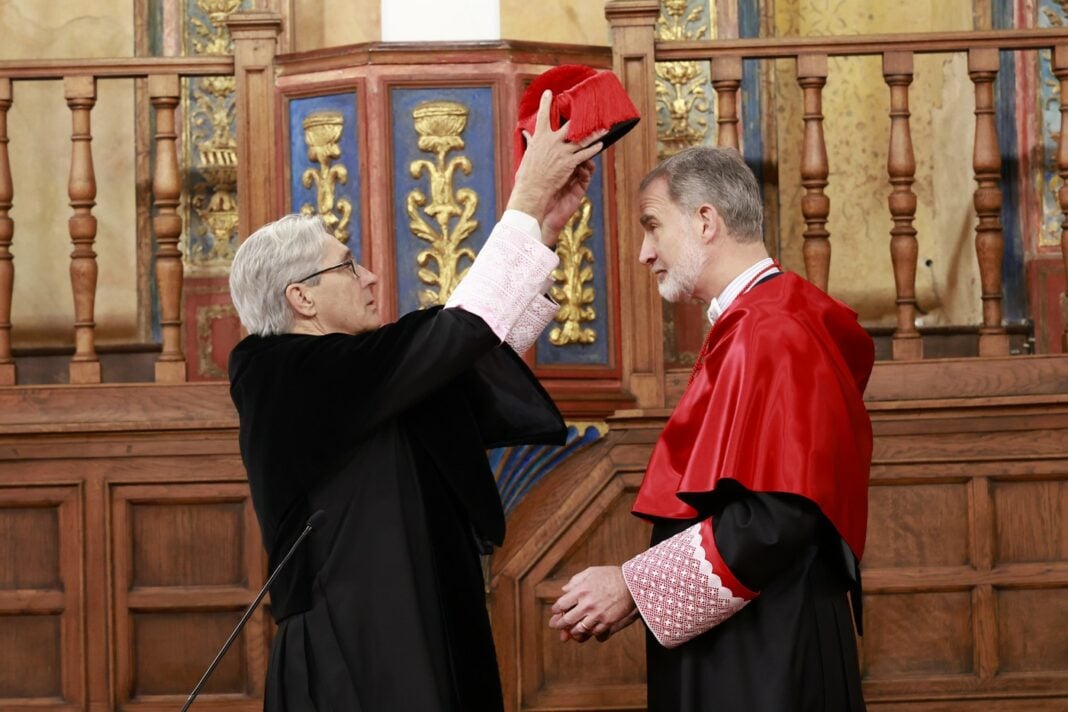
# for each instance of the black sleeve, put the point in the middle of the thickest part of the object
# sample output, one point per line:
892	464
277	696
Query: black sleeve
367	379
761	535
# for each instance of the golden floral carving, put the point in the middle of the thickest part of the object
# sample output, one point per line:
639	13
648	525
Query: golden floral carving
322	131
681	97
212	148
440	125
572	278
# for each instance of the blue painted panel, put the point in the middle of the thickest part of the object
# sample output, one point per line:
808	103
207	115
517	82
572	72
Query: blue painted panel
518	469
1014	290
349	143
596	353
478	138
752	113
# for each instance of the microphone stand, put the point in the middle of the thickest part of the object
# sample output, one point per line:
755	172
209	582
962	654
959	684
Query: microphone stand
314	521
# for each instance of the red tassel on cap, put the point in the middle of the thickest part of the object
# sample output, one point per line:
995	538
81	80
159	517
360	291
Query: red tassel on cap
586	99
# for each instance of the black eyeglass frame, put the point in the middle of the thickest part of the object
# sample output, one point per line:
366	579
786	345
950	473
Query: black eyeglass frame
351	263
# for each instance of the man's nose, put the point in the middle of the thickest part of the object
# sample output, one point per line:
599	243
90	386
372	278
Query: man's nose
367	277
647	255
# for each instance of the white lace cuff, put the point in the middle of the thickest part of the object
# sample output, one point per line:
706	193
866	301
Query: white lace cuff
508	274
531	323
682	588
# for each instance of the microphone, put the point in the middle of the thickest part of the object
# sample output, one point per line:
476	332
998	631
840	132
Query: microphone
315	521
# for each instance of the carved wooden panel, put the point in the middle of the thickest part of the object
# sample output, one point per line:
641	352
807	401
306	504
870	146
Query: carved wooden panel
580	518
965	573
187	561
41	646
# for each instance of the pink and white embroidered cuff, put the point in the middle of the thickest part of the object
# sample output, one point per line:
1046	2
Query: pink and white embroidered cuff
506	277
531	323
682	587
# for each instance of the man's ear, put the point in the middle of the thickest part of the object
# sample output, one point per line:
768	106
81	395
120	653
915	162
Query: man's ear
300	301
708	217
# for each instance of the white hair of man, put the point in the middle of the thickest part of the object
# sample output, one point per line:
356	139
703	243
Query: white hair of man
720	178
275	256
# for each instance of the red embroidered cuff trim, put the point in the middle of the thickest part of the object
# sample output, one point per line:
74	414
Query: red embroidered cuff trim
708	542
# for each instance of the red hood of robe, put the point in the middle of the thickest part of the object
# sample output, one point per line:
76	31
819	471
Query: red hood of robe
777	405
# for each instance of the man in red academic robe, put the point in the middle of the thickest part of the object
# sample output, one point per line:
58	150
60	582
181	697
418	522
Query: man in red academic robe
757	487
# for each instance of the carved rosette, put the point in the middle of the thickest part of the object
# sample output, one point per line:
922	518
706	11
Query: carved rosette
322	132
682	98
440	125
572	290
211	148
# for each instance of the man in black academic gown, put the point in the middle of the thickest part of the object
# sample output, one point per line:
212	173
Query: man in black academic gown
757	487
385	429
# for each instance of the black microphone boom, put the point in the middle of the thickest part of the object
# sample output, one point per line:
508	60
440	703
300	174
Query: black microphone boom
314	522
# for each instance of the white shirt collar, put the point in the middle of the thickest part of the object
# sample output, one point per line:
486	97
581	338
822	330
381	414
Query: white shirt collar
720	304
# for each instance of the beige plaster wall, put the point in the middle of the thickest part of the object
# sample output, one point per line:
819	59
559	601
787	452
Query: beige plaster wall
39	126
856	106
568	21
330	23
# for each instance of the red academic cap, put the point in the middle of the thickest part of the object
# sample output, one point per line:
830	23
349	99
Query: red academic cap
584	98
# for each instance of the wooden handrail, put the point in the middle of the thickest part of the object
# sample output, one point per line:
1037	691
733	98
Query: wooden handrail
132	68
858	45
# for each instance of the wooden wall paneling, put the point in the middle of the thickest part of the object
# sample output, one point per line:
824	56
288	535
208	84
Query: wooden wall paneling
555	532
186	563
633	24
42	636
255	36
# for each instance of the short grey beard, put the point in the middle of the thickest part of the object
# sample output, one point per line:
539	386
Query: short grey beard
680	281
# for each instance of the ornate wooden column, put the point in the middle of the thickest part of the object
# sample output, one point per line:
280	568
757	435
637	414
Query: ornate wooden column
815	205
7	232
726	80
1060	70
80	93
901	165
255	35
165	93
986	159
633	24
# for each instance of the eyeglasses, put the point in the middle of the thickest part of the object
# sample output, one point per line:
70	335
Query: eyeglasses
351	264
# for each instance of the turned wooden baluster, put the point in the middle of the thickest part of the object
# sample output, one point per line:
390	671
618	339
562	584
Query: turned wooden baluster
164	92
1060	70
986	159
901	165
80	93
815	205
7	231
726	79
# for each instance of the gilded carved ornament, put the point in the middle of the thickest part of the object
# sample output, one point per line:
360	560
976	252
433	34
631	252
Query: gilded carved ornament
680	86
213	143
322	131
440	125
572	278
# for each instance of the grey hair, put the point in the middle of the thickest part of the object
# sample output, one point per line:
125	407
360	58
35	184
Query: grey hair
271	259
718	177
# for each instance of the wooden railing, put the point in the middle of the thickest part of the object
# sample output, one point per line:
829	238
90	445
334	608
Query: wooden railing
79	79
636	50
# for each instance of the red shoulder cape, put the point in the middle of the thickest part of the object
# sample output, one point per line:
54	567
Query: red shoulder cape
777	405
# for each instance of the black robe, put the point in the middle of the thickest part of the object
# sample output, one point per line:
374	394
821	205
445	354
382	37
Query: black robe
792	648
383	608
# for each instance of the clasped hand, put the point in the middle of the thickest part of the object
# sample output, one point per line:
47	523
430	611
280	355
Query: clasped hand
596	603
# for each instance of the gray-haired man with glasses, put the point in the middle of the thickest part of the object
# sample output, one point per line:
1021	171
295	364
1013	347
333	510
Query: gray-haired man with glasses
385	428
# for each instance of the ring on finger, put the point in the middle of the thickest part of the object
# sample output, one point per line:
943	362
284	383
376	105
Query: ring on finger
582	625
